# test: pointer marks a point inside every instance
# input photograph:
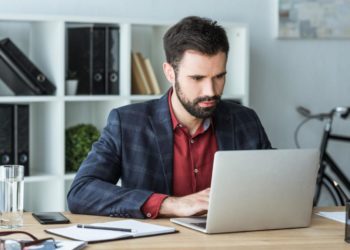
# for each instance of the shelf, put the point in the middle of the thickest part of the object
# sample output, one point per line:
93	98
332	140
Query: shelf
43	39
94	98
39	178
90	98
69	176
27	99
144	97
42	177
45	177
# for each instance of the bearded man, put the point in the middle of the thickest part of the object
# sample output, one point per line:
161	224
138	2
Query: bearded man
163	150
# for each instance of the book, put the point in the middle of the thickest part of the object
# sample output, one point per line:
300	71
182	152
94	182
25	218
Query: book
20	74
151	77
139	81
139	229
136	86
146	80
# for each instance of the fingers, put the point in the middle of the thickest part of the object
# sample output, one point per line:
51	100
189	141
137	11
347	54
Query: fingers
193	204
203	195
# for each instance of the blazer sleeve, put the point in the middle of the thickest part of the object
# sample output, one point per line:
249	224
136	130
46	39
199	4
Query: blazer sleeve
94	189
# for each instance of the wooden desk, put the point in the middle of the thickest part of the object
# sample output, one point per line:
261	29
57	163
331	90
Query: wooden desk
323	234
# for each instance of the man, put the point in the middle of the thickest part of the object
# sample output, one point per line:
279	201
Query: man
163	150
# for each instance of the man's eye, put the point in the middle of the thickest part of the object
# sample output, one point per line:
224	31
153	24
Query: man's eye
220	76
197	78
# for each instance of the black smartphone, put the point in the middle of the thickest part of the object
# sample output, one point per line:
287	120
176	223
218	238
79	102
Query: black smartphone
51	218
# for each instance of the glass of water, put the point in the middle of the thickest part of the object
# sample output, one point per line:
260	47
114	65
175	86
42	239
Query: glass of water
11	196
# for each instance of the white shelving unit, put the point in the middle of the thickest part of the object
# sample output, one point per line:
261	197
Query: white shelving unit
43	40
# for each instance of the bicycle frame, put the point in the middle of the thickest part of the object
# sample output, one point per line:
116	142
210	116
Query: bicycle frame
327	160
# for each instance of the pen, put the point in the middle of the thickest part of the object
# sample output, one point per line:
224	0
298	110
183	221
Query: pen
106	228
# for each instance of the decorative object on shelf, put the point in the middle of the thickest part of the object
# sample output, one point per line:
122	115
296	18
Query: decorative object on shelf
93	53
71	83
79	140
313	19
20	74
14	135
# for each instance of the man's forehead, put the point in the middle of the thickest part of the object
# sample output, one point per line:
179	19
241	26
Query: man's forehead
191	52
196	61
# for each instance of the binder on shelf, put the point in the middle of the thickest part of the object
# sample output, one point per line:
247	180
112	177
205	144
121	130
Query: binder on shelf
14	135
20	74
113	60
6	134
93	55
99	59
78	55
22	137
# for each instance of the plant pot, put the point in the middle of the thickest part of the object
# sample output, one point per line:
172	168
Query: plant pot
71	87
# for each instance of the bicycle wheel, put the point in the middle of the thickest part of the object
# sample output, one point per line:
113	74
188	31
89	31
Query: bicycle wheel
328	193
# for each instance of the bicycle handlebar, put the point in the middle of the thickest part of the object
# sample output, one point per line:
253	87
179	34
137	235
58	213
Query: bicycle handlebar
343	112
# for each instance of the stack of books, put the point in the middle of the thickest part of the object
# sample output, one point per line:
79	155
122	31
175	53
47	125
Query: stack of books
144	80
20	74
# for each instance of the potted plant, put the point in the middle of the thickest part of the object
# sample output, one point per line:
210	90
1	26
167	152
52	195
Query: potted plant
71	83
79	140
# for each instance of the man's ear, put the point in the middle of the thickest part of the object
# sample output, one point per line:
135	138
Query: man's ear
169	72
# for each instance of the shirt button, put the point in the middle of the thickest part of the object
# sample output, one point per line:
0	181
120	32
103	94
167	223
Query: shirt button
149	215
180	125
196	170
192	141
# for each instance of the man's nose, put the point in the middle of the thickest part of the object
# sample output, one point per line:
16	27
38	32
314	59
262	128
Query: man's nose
209	88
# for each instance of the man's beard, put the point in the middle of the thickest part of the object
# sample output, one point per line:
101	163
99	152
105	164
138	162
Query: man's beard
192	107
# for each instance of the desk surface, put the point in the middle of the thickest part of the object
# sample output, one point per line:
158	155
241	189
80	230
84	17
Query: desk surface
322	234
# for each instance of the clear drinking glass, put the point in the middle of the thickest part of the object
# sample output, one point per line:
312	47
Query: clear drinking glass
11	196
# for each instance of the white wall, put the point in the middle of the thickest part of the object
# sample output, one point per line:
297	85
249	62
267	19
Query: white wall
283	73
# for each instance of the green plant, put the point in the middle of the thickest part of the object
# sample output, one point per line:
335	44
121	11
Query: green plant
79	139
72	75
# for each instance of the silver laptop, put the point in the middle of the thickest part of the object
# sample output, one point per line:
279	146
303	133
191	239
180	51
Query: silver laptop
259	190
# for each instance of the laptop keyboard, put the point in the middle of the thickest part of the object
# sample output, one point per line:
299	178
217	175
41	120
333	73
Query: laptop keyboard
199	224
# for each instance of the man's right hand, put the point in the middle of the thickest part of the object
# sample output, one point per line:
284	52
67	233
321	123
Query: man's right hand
193	204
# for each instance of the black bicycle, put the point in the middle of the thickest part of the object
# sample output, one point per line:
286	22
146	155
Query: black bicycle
338	191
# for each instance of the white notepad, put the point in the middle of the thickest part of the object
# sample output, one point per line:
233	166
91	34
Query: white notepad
337	216
140	229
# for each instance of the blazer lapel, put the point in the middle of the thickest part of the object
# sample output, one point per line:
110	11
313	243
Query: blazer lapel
160	121
224	128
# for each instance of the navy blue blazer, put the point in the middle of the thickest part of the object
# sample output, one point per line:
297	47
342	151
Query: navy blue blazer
136	146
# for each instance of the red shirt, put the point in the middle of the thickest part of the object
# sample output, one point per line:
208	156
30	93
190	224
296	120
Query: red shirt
192	162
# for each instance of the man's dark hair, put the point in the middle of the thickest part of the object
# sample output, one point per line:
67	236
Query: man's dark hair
194	33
